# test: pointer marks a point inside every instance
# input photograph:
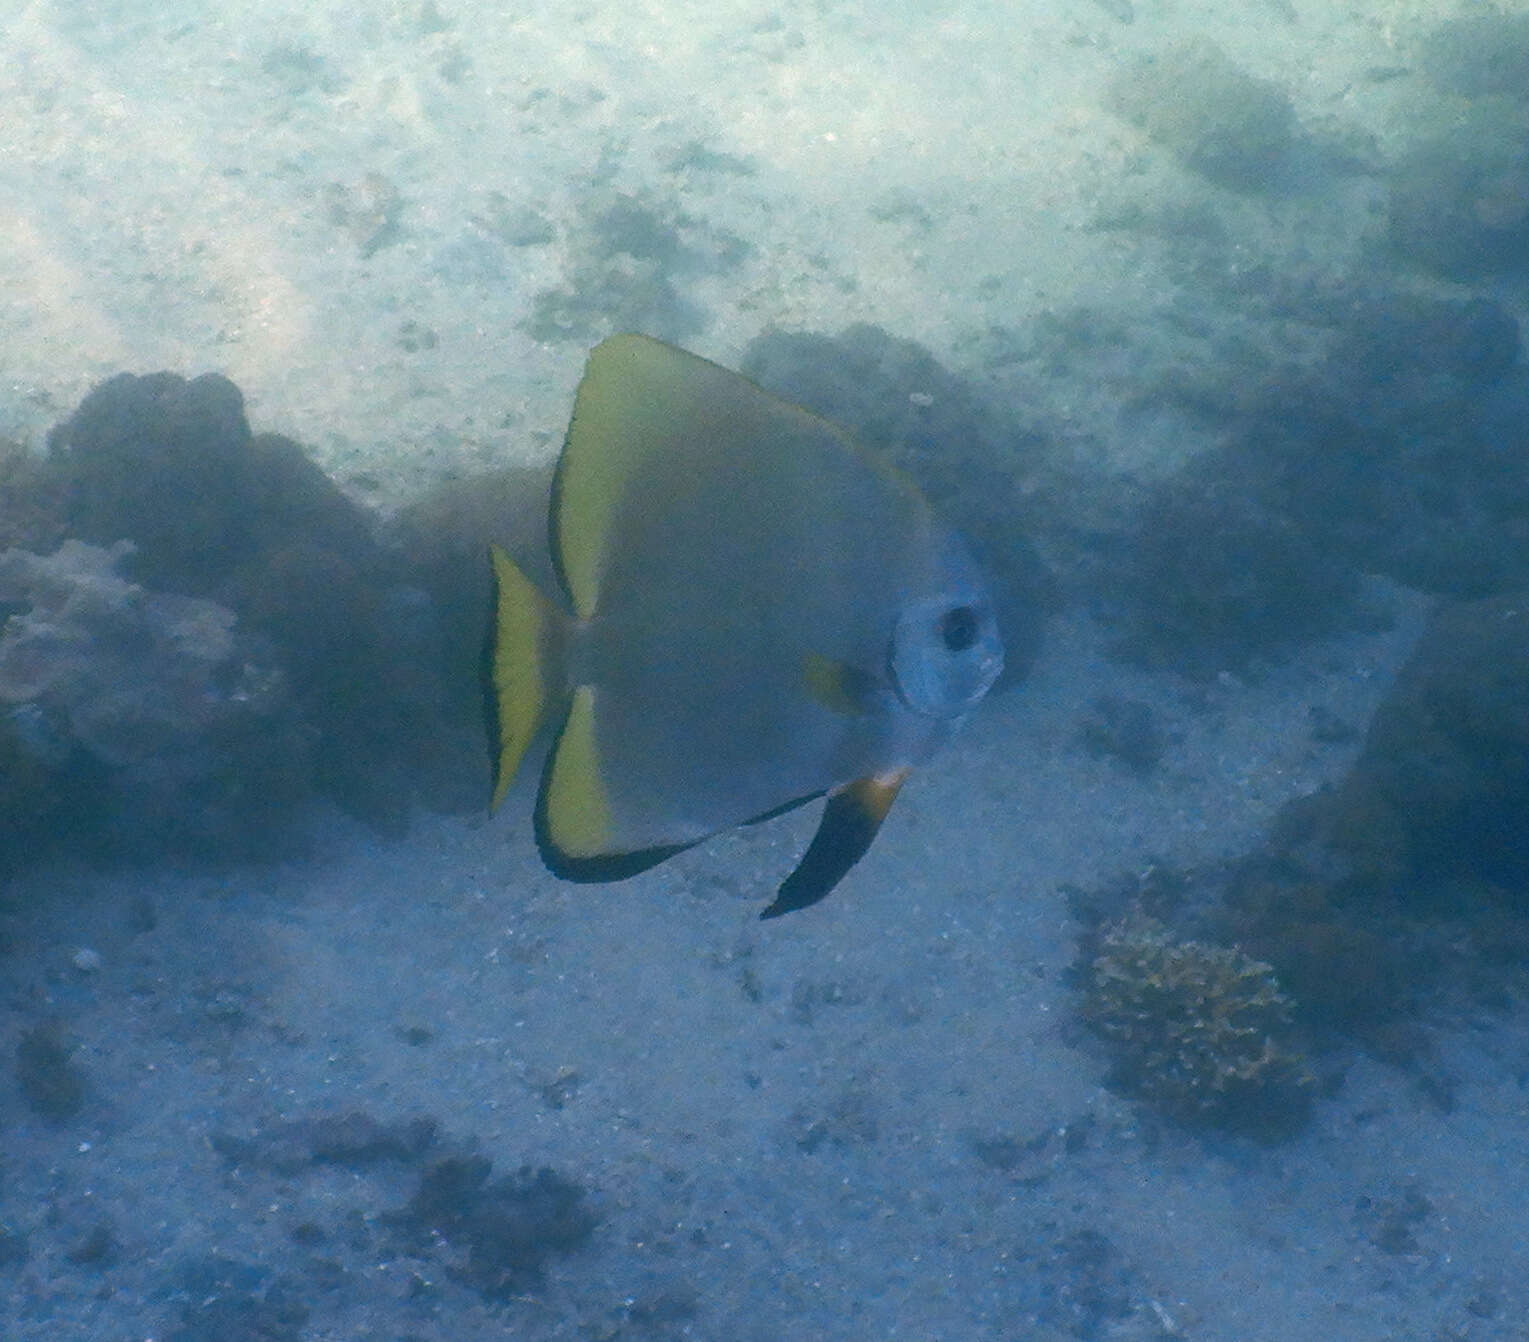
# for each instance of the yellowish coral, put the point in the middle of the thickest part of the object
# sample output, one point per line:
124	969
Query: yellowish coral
1202	1031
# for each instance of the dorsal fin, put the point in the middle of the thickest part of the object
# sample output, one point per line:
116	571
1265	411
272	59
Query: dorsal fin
609	438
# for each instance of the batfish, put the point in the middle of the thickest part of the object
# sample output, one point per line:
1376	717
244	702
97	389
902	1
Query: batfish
754	612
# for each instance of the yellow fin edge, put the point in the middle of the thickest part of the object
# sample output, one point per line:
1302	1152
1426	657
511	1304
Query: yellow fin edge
575	808
595	468
517	668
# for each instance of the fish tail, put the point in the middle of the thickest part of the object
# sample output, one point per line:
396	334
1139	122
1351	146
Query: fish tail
526	635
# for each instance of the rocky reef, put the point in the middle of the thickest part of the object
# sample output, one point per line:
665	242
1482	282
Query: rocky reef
1395	898
203	635
127	702
1395	454
1459	197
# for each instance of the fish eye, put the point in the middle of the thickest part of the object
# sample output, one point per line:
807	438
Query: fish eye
945	655
958	628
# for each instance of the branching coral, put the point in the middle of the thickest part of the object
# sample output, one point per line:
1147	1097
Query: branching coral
1202	1031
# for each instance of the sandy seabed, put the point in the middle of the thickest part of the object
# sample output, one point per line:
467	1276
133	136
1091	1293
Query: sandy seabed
877	1119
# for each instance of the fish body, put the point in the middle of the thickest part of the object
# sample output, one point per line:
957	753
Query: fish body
755	612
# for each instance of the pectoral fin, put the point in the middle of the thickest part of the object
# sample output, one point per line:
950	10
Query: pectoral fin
850	820
838	687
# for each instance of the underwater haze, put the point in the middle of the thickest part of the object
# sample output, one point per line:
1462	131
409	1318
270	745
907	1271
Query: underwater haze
1182	993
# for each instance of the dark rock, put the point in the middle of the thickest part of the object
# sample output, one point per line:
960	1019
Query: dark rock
1408	879
97	1247
1394	455
1335	959
1442	786
626	263
225	1300
165	463
31	502
1405	339
49	1079
502	1231
1214	578
1390	1223
1235	130
1480	55
1082	1287
1460	198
